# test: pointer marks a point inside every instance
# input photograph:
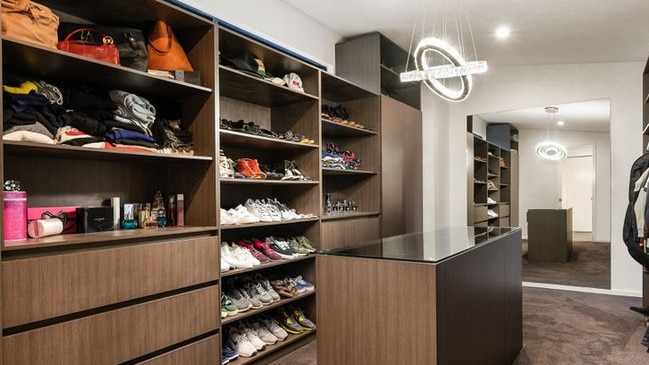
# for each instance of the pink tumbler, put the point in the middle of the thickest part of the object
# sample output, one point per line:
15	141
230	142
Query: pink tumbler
15	216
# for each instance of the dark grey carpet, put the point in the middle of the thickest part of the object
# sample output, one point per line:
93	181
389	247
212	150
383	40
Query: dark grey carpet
563	328
589	266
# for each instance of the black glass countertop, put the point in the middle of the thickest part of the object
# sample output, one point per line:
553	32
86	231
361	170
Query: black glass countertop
431	246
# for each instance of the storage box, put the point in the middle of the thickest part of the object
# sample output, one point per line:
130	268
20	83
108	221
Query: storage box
67	214
94	219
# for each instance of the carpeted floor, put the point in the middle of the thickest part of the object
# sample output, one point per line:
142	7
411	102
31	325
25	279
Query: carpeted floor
589	266
563	328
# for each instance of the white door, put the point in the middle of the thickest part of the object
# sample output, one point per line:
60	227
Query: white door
578	191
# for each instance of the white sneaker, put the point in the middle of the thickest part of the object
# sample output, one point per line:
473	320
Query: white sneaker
231	259
273	211
274	328
243	255
226	217
492	214
491	201
224	265
263	333
252	336
240	343
243	216
258	210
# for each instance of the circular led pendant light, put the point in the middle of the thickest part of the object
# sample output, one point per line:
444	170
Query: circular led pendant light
551	150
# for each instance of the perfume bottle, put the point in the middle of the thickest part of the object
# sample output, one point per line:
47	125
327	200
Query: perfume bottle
328	205
158	210
129	221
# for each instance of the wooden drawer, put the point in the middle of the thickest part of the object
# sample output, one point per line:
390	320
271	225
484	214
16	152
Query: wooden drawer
347	232
44	287
117	336
480	213
504	210
203	352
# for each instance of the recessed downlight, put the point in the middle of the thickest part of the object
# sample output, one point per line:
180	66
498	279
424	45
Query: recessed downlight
503	32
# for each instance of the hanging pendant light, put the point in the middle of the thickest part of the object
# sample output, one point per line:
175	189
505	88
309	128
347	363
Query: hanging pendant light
551	150
443	67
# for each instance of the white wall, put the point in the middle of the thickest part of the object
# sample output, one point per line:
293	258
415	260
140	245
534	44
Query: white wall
516	87
277	22
540	181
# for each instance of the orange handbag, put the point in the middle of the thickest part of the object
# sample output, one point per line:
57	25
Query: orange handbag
165	52
30	22
91	43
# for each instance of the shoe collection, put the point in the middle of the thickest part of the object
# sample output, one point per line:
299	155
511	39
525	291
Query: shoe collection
257	130
253	334
247	168
255	211
256	291
335	158
338	114
254	252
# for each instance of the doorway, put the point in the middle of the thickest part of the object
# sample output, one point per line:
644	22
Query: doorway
578	180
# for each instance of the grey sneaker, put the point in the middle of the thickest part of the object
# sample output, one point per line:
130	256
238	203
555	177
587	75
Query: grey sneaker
263	332
301	319
252	336
241	302
256	303
273	326
255	290
265	283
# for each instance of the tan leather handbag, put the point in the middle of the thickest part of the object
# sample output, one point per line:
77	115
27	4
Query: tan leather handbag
29	21
165	52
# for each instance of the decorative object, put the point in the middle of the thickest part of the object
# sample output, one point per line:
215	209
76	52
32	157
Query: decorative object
551	150
443	66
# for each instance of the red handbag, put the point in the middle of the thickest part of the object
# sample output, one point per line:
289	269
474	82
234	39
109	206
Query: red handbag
91	43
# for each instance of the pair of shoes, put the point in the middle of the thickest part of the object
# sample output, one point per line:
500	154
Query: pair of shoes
293	320
492	214
281	246
250	168
240	343
491	186
302	285
305	243
491	201
227	306
292	171
284	287
274	327
237	257
251	291
226	166
262	211
250	246
238	215
228	354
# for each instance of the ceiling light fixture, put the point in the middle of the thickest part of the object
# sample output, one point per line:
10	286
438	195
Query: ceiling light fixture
443	66
561	123
503	32
550	150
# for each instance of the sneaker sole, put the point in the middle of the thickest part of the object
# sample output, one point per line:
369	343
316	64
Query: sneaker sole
291	331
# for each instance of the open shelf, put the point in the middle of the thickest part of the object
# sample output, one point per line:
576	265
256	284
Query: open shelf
239	139
252	311
338	216
266	265
272	348
337	89
333	129
267	182
252	225
330	171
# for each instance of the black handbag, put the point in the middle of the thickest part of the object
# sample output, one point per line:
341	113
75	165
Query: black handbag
129	41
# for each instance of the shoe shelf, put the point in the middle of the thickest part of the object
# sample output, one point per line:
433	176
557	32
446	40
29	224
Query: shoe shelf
272	348
240	139
268	182
107	237
234	272
252	311
332	171
239	85
254	225
331	128
58	66
338	216
33	149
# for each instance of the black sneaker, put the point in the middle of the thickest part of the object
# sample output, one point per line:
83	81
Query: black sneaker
281	247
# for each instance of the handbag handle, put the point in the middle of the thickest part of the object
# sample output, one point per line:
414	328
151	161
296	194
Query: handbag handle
106	39
169	37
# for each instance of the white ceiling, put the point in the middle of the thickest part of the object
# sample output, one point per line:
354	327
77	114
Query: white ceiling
543	32
593	116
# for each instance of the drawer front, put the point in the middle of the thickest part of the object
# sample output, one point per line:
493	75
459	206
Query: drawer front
203	352
44	287
480	213
342	233
504	210
117	336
